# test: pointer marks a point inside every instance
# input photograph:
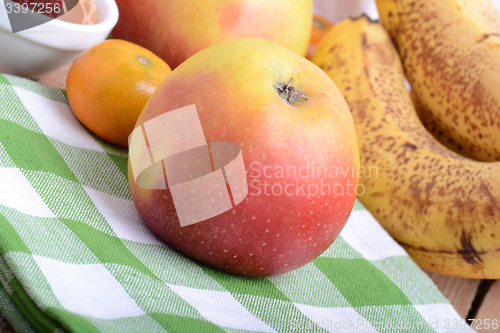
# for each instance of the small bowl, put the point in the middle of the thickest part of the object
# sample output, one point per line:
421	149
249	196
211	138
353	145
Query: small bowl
42	49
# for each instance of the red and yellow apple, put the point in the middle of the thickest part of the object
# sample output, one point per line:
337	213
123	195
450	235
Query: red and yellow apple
175	30
299	148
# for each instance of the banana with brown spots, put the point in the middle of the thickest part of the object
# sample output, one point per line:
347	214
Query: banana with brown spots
435	127
450	51
443	208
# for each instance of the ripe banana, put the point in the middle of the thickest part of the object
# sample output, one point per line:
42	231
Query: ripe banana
435	127
450	51
443	208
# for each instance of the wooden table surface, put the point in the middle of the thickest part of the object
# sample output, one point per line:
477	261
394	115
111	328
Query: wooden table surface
473	299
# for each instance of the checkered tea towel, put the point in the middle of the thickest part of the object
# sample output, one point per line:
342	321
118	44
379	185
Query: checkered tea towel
76	256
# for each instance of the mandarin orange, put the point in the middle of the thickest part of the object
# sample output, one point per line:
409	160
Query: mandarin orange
320	26
109	85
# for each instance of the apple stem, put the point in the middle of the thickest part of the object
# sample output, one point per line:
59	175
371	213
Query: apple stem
287	92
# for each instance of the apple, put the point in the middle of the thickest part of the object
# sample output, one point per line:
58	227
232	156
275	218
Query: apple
175	30
296	143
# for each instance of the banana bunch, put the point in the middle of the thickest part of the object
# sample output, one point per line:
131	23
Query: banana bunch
450	50
443	208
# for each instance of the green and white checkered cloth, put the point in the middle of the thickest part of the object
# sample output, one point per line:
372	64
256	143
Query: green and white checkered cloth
76	256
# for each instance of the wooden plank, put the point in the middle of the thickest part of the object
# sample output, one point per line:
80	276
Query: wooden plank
459	291
489	311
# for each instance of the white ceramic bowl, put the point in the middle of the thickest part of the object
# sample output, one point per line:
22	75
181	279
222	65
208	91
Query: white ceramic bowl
34	52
